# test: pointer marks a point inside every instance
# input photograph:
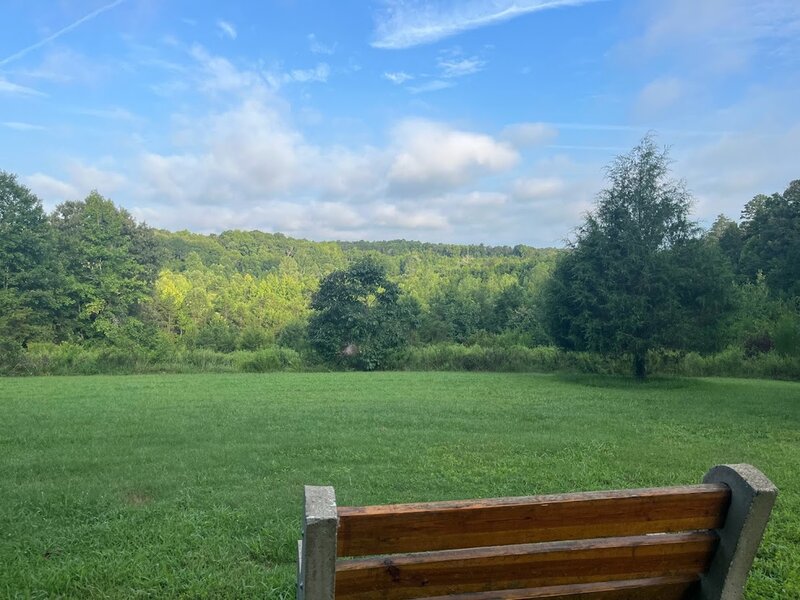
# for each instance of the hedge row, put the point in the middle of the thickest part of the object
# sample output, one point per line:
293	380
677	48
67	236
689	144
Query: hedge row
72	359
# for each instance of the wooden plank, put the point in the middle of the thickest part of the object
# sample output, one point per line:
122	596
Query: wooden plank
369	530
523	566
656	588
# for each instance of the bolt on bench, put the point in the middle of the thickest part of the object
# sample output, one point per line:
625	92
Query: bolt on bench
684	542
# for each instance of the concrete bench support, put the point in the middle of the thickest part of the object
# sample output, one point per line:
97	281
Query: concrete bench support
752	498
317	550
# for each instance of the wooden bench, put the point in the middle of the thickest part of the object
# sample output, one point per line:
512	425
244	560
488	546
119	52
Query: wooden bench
694	541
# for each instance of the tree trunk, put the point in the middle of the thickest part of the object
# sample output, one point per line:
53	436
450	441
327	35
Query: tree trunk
640	365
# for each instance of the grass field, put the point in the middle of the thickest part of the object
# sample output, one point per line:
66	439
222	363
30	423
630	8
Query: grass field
191	486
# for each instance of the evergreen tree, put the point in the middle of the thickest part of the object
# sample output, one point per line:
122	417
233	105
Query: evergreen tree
635	276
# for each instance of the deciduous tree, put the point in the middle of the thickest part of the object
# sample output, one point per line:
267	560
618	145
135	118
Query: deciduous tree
359	316
26	270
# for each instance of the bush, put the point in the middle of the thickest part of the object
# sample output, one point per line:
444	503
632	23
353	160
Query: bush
72	359
295	336
254	338
58	359
517	358
787	336
268	359
757	343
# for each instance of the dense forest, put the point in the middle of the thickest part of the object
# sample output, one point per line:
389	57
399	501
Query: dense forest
88	289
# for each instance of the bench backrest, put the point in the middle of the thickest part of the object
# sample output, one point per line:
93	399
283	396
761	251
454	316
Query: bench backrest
694	541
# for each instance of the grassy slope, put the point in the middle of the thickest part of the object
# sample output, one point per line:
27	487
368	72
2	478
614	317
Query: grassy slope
191	485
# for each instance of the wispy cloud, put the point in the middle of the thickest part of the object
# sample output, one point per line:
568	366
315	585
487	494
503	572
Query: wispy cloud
63	65
53	36
430	86
227	29
529	134
6	87
639	129
407	23
398	77
19	126
459	67
115	113
660	95
318	74
318	47
717	37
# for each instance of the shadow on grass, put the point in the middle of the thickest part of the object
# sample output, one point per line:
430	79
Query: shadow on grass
620	382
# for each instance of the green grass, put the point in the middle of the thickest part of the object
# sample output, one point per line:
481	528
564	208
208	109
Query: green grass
191	485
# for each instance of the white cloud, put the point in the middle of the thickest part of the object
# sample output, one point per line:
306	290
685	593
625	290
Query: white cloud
431	155
6	87
659	96
717	36
227	29
459	67
319	73
90	177
245	164
233	157
115	113
430	86
63	65
219	75
483	199
538	188
50	189
725	174
395	217
20	126
318	47
338	215
407	23
529	134
398	77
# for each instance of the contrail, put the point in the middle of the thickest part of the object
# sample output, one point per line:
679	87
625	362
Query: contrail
60	32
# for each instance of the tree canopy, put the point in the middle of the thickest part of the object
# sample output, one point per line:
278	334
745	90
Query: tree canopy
26	271
771	239
636	268
108	262
359	316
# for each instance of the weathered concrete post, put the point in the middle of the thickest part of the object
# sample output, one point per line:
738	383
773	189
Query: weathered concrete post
752	498
316	567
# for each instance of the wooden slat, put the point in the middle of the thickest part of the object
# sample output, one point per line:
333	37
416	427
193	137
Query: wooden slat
523	566
656	588
368	530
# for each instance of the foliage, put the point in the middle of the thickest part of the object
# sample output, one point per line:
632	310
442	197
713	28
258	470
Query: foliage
108	262
787	335
359	316
27	275
771	240
636	278
132	299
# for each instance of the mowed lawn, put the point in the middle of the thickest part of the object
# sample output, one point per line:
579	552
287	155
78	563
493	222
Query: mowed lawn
191	486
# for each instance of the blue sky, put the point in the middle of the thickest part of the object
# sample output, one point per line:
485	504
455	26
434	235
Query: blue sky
457	121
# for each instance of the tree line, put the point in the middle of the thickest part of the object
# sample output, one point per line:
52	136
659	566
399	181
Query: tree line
639	277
